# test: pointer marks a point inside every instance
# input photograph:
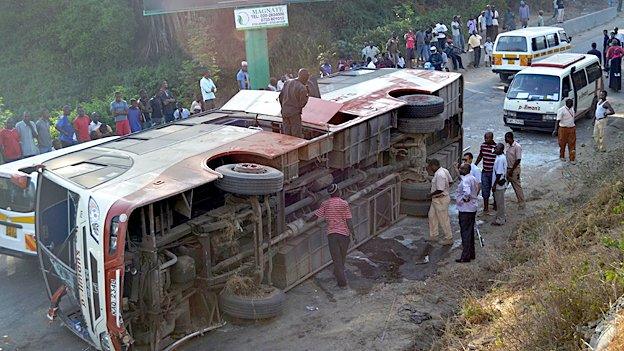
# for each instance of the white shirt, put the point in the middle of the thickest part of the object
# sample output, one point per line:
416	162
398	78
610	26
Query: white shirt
280	85
94	126
370	52
476	172
467	194
196	107
565	116
401	62
185	114
441	181
481	22
455	28
371	65
441	30
489	47
206	85
495	18
500	167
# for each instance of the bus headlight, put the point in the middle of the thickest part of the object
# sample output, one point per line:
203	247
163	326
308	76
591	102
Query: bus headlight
550	117
114	230
94	218
106	343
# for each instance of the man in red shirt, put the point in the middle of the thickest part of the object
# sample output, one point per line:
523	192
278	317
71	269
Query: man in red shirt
410	45
81	125
10	142
337	213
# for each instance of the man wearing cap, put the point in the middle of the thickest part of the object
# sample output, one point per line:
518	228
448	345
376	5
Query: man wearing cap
337	214
440	200
243	77
293	98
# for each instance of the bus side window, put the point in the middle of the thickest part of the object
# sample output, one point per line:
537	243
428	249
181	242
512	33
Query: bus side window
552	40
579	79
538	43
594	72
565	87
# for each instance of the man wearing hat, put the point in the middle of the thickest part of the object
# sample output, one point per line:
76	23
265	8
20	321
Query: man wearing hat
337	214
243	77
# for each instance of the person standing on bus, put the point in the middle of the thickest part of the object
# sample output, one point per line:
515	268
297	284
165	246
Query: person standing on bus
336	212
43	131
65	128
28	134
119	110
293	99
10	142
81	125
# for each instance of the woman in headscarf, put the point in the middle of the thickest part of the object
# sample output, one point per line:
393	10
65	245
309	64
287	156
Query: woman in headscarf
614	55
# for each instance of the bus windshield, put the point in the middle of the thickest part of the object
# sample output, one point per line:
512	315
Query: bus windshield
534	87
14	198
511	44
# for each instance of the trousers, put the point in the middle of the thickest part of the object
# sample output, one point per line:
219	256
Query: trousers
516	184
567	137
338	247
499	198
599	131
291	125
477	56
439	216
467	230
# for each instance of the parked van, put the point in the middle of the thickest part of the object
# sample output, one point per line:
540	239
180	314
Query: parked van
537	92
18	183
517	49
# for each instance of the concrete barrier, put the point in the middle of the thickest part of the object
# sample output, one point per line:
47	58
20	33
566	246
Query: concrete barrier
572	27
577	25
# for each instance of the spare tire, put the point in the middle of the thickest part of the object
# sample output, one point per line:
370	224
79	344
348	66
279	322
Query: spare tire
249	179
421	106
420	125
265	306
417	191
415	208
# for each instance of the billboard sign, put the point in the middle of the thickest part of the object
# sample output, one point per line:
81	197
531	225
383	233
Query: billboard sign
159	7
261	17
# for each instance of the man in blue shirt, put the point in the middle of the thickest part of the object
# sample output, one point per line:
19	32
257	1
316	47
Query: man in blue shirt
242	77
65	128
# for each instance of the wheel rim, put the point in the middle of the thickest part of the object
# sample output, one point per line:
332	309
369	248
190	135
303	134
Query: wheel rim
250	168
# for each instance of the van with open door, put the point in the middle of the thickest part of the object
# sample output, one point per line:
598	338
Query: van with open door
517	49
537	92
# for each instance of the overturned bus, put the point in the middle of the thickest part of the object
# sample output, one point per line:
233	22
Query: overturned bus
139	236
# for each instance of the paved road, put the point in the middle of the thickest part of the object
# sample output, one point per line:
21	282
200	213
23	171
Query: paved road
22	296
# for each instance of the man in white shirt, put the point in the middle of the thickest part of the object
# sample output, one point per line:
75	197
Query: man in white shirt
467	205
440	200
181	113
458	38
371	51
500	183
565	129
208	90
603	109
441	30
474	169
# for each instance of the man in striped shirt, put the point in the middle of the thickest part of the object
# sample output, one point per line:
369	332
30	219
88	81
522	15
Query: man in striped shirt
486	153
337	214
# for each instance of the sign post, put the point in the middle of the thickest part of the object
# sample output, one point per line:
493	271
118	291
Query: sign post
255	21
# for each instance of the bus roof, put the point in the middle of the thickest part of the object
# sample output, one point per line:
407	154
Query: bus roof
530	31
20	165
560	64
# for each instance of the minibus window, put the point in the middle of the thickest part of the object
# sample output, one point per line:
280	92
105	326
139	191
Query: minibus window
534	87
552	40
580	81
511	44
538	43
566	87
14	198
594	72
